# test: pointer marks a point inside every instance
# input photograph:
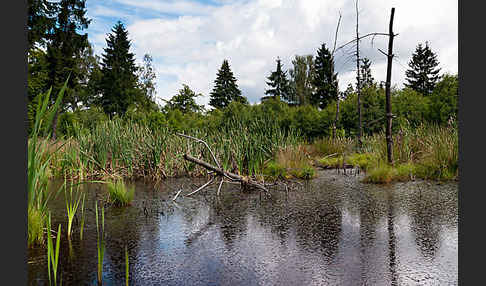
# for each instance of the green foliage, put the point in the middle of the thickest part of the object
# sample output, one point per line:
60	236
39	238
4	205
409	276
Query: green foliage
36	221
424	72
301	76
278	82
185	101
275	170
380	174
325	79
225	89
444	100
120	194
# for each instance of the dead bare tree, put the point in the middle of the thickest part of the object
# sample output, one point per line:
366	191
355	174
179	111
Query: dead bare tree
389	115
389	55
332	72
358	86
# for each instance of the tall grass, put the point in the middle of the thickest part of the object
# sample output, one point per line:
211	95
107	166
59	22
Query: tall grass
120	194
129	150
126	266
36	221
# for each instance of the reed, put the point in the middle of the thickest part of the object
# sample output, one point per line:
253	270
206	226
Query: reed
122	148
100	244
72	204
81	226
53	253
36	222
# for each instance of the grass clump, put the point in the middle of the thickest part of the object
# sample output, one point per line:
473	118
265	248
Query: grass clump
36	222
291	161
331	162
380	174
120	194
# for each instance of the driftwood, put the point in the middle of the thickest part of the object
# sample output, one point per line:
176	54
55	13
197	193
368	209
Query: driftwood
245	182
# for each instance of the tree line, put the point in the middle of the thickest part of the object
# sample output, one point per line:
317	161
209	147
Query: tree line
115	84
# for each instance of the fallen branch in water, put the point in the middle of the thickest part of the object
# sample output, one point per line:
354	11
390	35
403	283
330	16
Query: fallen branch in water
245	182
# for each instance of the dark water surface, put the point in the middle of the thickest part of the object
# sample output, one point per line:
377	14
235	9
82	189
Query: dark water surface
333	230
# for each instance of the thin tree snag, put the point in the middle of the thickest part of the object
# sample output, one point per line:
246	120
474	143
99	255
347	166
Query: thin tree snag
358	85
332	72
389	115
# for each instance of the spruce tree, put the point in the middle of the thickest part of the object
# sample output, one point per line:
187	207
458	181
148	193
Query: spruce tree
424	72
40	21
278	82
366	79
64	52
119	80
225	88
324	80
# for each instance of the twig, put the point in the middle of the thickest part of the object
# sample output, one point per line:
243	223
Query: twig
177	195
220	184
206	144
201	187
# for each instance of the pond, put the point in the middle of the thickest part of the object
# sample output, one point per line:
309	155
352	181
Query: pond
332	230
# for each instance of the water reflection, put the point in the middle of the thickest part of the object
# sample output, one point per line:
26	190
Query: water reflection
333	231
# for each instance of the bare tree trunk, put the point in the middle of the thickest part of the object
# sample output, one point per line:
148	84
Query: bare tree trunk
334	126
358	87
389	139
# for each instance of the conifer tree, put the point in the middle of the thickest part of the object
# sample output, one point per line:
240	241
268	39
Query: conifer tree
367	79
278	82
41	19
424	72
225	88
119	80
324	80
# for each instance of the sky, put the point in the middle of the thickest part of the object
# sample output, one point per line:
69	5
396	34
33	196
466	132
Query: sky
189	40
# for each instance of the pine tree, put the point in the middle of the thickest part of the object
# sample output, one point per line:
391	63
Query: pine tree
64	50
225	88
278	82
424	72
324	80
366	79
119	80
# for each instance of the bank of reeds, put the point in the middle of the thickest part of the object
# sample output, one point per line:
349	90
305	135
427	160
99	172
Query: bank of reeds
426	152
120	148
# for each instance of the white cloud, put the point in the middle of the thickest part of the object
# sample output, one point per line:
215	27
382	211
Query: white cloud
251	34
